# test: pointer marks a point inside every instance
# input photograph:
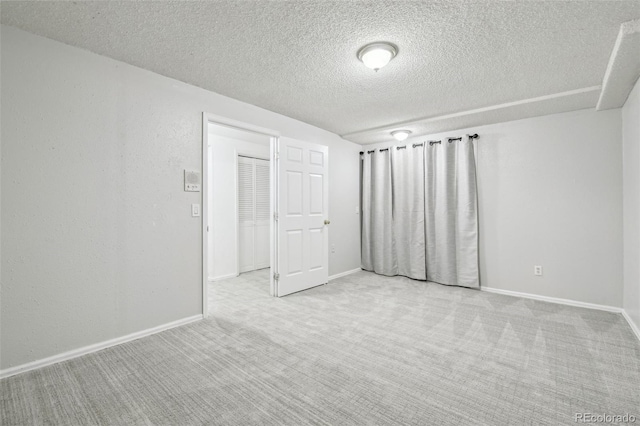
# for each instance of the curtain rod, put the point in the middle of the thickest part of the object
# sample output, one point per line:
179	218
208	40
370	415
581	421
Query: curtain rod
431	143
473	136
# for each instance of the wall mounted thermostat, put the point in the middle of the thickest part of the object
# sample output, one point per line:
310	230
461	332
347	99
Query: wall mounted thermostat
191	181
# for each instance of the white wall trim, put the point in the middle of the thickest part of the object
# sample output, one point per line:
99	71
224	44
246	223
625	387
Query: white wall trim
204	211
623	67
471	112
553	300
569	302
633	326
343	274
65	356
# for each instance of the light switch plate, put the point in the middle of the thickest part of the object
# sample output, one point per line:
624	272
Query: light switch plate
191	181
195	210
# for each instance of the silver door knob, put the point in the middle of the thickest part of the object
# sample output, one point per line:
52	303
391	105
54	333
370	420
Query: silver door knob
326	222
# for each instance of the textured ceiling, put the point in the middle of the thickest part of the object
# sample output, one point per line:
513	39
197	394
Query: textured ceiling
299	58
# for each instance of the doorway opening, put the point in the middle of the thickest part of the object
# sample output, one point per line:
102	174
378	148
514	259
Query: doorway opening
238	193
298	207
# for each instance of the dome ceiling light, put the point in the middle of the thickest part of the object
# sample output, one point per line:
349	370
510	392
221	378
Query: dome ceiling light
400	135
377	55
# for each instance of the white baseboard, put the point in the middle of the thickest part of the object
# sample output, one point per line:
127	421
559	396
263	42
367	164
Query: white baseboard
344	274
633	326
553	300
569	302
222	277
94	348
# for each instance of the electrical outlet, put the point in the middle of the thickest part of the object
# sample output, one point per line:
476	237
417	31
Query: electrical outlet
537	270
333	248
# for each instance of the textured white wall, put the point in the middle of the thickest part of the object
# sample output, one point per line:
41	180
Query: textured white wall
223	248
98	241
550	194
631	198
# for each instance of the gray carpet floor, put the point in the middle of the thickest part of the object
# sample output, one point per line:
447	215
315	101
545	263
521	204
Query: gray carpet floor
364	349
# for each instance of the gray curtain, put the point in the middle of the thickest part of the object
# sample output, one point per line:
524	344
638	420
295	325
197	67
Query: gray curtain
378	243
420	212
408	210
452	213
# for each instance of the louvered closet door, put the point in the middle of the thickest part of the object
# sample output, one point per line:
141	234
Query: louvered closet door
246	208
253	213
262	216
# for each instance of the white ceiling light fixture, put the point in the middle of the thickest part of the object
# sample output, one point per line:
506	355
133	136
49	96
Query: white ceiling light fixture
400	135
377	55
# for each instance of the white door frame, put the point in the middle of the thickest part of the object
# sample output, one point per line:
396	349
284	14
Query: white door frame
239	125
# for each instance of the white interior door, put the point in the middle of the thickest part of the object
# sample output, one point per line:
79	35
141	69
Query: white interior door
302	209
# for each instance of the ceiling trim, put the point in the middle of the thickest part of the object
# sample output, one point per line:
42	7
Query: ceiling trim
623	68
419	121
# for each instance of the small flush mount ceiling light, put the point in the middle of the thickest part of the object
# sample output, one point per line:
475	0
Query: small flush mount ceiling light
377	55
400	135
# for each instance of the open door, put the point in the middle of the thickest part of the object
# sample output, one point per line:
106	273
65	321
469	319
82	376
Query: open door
302	201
